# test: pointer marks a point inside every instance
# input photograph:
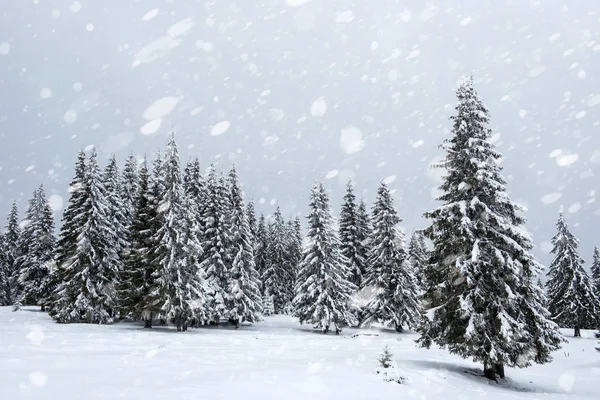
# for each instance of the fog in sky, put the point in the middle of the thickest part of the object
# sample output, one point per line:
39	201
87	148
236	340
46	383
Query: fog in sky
296	91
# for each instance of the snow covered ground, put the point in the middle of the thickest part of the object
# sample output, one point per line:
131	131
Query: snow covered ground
275	359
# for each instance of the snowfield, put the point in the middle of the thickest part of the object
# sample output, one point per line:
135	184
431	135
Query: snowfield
274	359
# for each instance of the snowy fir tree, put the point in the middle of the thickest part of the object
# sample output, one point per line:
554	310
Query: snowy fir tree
128	188
278	277
261	242
484	303
363	231
193	186
37	245
417	255
323	290
139	274
243	300
571	298
214	241
595	270
252	222
179	292
119	213
352	241
10	253
88	259
395	300
3	273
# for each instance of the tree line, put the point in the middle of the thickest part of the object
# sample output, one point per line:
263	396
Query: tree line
161	244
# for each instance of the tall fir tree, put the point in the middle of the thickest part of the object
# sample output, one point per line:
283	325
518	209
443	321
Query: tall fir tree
252	222
277	276
87	275
417	254
180	292
37	243
3	272
129	184
139	274
363	231
118	209
396	297
214	246
571	298
484	303
12	251
595	270
244	299
352	241
323	290
261	243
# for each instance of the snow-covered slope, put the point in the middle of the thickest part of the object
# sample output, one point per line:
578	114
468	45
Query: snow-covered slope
275	359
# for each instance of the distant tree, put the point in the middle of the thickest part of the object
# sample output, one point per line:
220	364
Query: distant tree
244	298
323	290
261	245
396	299
278	273
252	222
352	241
480	279
215	252
128	188
118	209
417	256
11	252
37	244
571	298
596	275
3	273
363	232
88	259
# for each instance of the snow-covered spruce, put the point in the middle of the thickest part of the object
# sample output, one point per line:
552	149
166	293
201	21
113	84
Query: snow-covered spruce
595	270
323	290
261	241
571	298
215	256
9	293
395	293
352	243
117	209
388	369
88	263
128	188
278	275
481	290
180	285
138	276
243	301
417	256
37	250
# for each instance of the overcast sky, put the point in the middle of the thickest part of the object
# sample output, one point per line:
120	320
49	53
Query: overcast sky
296	91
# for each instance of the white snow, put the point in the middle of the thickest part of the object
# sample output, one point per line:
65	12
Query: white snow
554	36
70	116
418	143
580	114
351	140
537	71
413	54
4	48
595	158
180	28
581	74
150	14
296	3
344	17
555	153
151	127
220	128
405	16
75	6
374	45
89	27
566	159
574	207
389	180
332	174
522	113
550	198
160	108
77	86
45	93
318	107
30	168
274	359
594	100
156	50
466	21
56	203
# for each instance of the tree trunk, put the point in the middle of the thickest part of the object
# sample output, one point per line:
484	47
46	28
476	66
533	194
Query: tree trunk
185	326
577	332
499	368
489	372
148	323
43	308
399	327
